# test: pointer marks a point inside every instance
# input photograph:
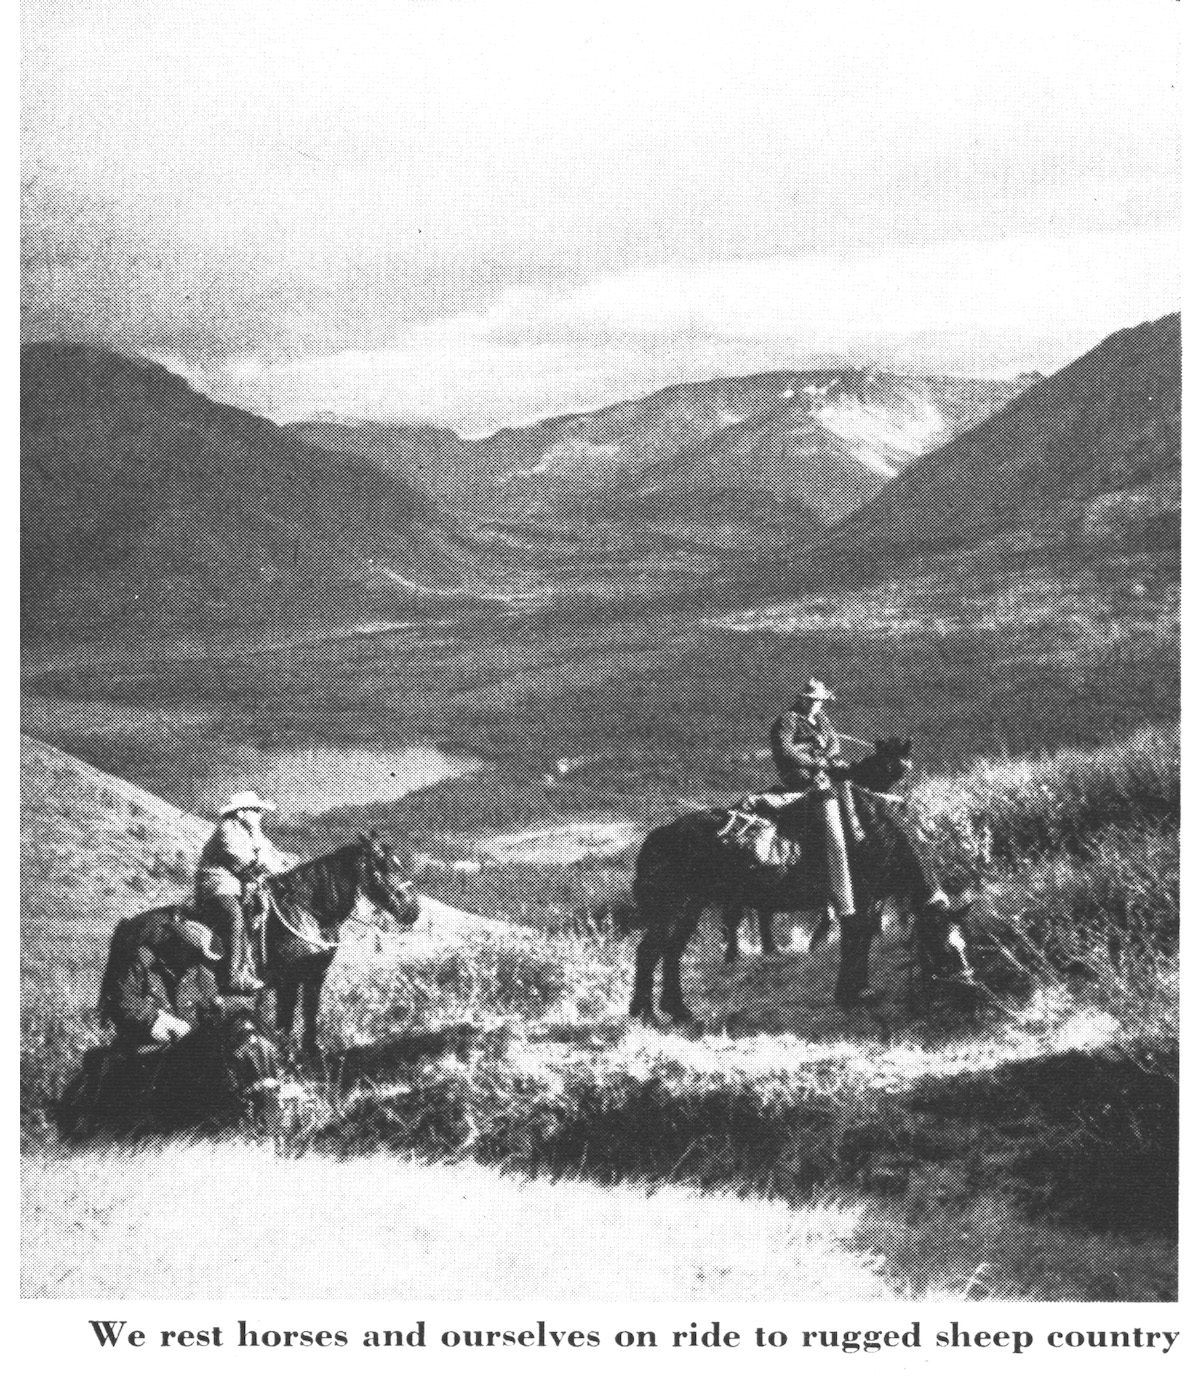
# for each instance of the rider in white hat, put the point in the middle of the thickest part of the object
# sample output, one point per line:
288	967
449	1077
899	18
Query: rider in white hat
237	853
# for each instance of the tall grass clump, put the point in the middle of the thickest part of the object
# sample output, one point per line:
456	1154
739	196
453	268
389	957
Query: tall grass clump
1003	813
485	978
1103	922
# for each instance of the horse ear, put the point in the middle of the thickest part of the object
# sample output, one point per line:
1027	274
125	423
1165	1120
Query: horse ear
905	746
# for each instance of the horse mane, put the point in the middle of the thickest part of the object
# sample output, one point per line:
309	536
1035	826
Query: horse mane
319	869
327	881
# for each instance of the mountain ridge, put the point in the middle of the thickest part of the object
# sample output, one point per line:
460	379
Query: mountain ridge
144	501
1091	452
861	425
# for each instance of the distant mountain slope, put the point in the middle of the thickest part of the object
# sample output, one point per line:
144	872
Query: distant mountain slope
145	502
435	457
1092	452
822	440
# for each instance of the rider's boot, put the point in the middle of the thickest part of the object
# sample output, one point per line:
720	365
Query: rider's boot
852	984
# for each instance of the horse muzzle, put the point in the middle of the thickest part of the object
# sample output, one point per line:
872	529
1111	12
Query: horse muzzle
406	907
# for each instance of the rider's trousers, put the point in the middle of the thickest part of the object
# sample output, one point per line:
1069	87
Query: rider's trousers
225	915
836	852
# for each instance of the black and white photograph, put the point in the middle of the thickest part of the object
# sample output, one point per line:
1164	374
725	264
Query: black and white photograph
600	657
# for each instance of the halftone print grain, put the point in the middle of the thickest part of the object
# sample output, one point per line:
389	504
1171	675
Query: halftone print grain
674	530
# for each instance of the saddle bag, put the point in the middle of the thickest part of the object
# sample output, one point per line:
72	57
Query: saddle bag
758	840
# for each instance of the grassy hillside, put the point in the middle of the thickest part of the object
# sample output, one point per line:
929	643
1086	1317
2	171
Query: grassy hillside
145	504
992	1148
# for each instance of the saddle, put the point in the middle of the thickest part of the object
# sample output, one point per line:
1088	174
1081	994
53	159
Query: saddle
776	829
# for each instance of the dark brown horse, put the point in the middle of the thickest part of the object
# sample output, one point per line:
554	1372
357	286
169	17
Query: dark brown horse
301	914
686	866
881	772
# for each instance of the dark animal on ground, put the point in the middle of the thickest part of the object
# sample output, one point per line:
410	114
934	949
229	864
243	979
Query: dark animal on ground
686	866
226	1069
300	914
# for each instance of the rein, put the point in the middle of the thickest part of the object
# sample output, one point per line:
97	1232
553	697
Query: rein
317	940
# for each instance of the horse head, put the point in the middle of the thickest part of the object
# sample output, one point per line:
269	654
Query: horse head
383	879
886	767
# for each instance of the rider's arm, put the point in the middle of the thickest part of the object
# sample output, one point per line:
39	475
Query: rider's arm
233	848
168	1027
796	743
272	860
140	992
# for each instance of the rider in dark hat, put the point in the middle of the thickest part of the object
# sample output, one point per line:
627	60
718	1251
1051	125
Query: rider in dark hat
161	973
807	750
803	741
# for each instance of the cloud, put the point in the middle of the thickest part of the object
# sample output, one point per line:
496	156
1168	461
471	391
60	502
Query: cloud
292	179
975	307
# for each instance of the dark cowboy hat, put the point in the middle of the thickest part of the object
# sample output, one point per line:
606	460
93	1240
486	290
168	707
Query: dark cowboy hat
814	690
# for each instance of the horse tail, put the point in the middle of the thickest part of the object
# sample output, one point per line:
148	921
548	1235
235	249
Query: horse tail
108	982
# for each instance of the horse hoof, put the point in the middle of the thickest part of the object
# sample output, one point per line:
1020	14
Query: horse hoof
680	1017
860	998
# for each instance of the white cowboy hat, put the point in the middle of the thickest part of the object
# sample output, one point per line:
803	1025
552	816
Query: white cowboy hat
247	801
815	690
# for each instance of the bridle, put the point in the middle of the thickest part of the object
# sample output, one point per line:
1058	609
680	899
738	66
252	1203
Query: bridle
375	884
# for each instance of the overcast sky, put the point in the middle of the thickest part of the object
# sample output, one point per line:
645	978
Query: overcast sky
481	213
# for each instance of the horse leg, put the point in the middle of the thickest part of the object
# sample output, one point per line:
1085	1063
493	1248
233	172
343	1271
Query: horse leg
286	1007
311	993
647	953
823	927
852	982
769	944
673	1004
731	917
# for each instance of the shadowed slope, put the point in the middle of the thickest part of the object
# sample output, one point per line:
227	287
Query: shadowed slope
1090	453
146	503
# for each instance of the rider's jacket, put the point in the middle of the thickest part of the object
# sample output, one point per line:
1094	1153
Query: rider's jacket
803	749
234	852
149	972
